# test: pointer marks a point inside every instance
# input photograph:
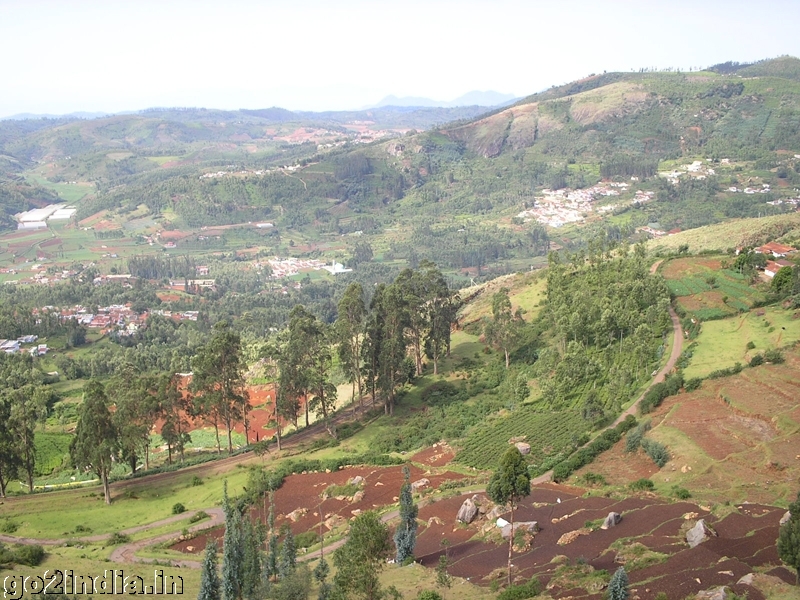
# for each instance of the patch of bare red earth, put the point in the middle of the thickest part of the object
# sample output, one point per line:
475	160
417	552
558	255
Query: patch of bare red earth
304	491
647	520
435	456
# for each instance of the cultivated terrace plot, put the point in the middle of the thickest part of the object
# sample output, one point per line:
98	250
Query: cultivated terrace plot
735	439
573	557
706	290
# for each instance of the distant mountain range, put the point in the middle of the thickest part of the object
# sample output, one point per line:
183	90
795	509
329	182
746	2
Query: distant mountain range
474	98
489	99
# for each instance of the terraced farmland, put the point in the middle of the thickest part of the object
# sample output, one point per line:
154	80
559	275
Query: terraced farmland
547	433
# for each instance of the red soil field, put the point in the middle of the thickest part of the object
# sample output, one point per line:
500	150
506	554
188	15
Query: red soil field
745	539
435	456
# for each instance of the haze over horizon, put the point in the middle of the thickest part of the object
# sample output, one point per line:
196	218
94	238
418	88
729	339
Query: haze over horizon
91	56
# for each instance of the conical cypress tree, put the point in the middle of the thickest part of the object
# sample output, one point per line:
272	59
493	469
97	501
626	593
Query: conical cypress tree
618	586
253	537
232	550
288	560
405	536
209	578
271	560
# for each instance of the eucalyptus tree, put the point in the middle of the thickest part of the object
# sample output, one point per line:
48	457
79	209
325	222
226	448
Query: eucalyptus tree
349	330
96	442
218	380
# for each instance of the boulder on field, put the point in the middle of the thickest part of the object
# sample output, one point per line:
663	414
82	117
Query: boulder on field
785	518
612	519
746	579
296	514
334	521
358	496
419	484
357	480
720	593
699	533
467	512
523	447
527	526
496	512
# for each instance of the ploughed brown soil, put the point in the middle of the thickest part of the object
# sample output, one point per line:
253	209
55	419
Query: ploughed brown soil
745	538
304	491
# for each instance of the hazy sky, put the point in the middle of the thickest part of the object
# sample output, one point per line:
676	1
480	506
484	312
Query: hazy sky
112	55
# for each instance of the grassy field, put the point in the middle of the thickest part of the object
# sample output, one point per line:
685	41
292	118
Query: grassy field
708	291
722	343
68	192
730	234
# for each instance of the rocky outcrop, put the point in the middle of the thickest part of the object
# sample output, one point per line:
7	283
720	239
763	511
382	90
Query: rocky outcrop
531	527
785	518
612	520
699	534
467	512
523	447
420	484
720	593
357	480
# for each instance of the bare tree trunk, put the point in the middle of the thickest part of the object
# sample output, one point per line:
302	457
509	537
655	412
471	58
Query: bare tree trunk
510	545
106	489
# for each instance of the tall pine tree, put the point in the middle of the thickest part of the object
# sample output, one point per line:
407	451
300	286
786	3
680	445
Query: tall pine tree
209	578
232	550
405	536
618	586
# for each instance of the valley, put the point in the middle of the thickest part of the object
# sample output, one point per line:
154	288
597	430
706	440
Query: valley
291	323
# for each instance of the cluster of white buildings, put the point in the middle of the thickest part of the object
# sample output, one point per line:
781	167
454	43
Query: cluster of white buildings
218	174
556	208
38	217
14	346
697	170
286	267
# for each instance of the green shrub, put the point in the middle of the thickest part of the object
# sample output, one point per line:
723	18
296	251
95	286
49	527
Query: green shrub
681	493
8	526
118	538
178	508
521	591
198	516
306	539
657	451
642	485
429	595
774	356
28	555
757	360
692	384
750	345
347	490
196	481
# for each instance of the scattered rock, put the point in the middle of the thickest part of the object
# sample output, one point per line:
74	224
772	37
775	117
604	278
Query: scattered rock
746	579
467	512
517	438
377	483
699	533
785	518
571	536
296	514
333	522
691	515
436	520
496	512
327	470
705	508
355	512
190	548
527	526
357	480
358	496
419	484
523	447
728	573
720	593
611	520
